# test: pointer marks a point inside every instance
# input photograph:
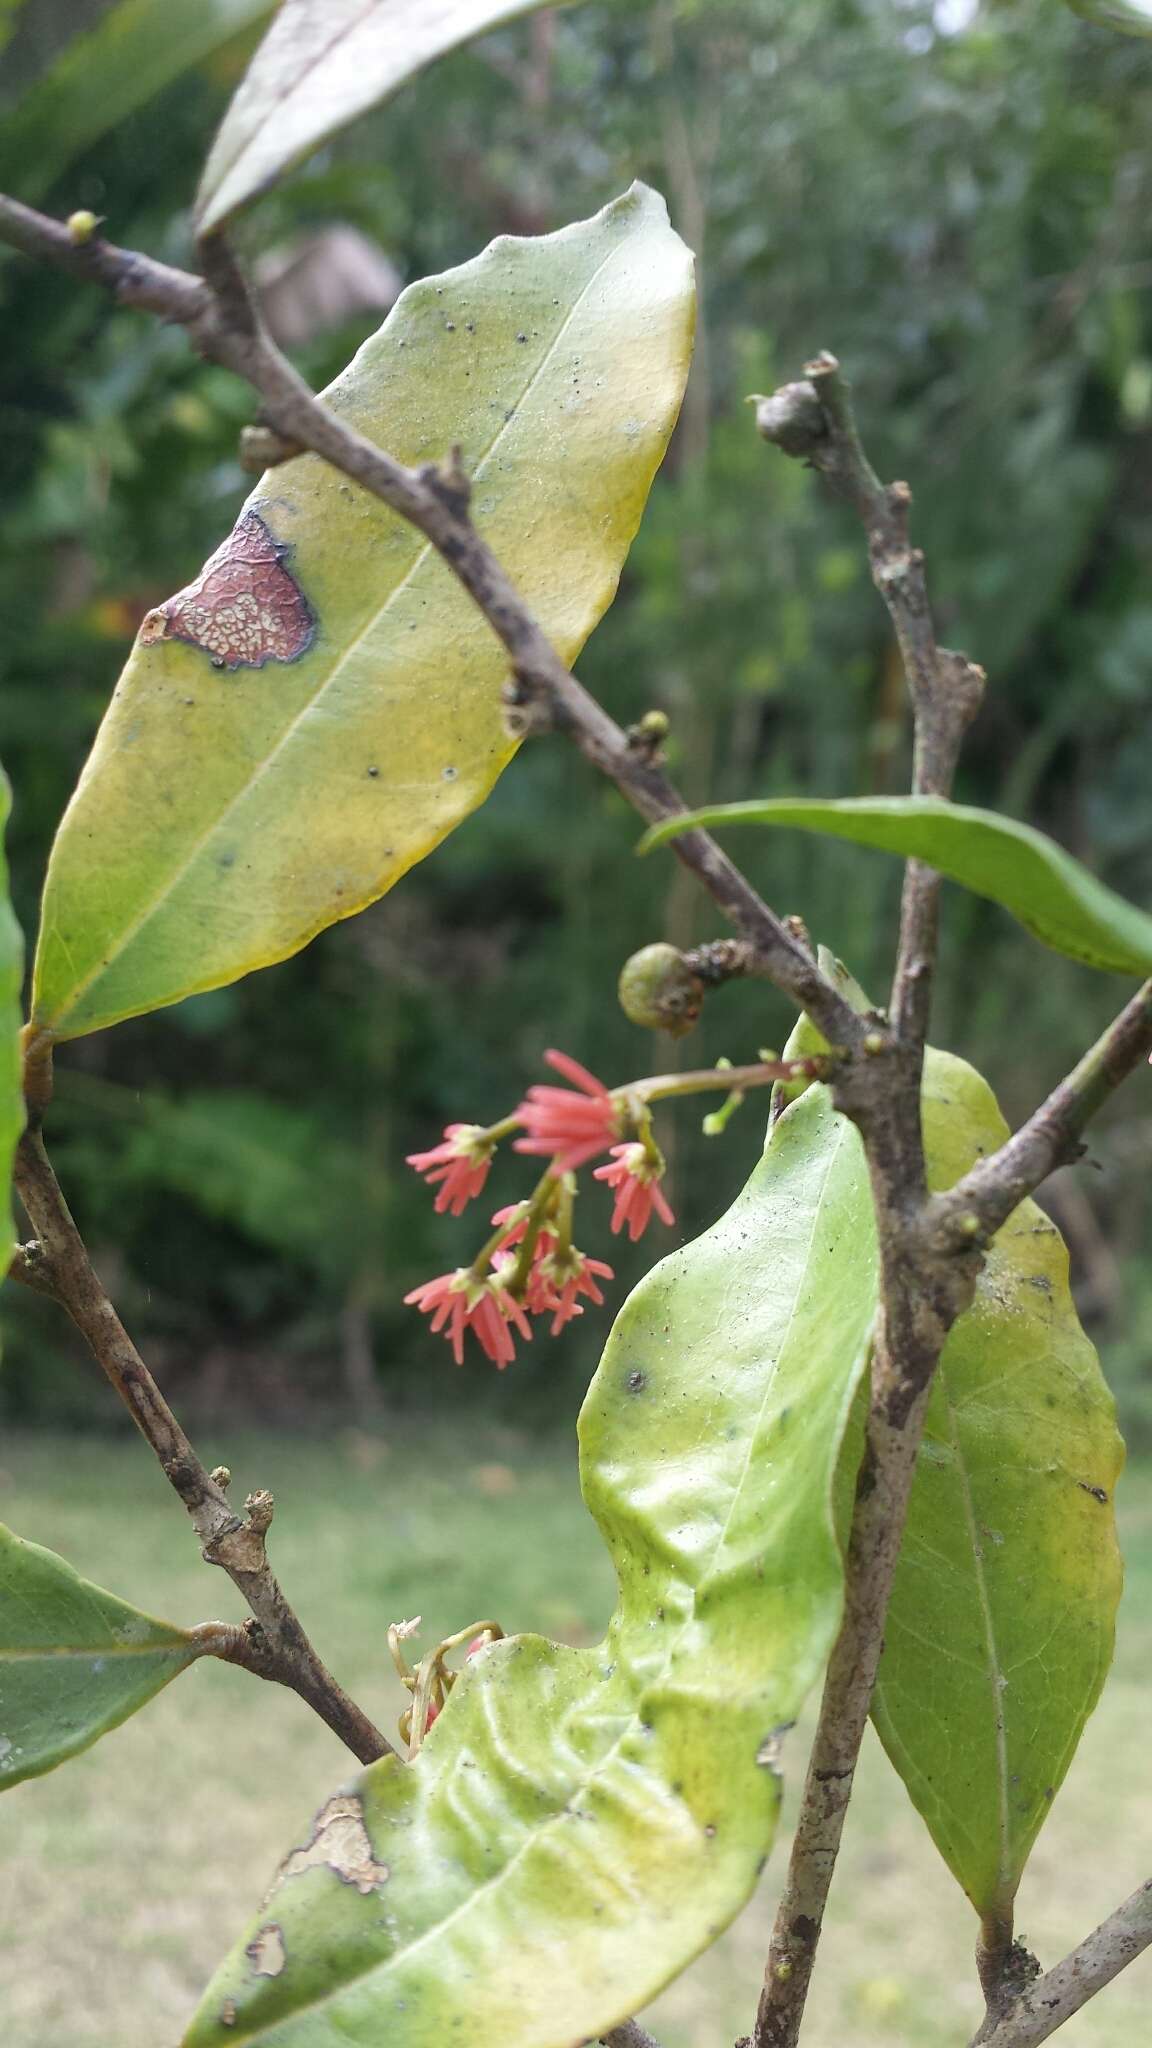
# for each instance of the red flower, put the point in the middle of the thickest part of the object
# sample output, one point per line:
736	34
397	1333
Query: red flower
636	1177
567	1275
516	1217
566	1127
459	1301
537	1295
555	1279
460	1164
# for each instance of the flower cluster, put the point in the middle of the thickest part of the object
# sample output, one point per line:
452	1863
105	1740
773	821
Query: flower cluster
530	1267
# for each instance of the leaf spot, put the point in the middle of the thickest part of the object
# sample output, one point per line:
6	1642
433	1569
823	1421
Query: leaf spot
340	1842
266	1951
244	609
768	1754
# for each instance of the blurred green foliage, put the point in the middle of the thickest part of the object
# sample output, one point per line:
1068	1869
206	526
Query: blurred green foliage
953	198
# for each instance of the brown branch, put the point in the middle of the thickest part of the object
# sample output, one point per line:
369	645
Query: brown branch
877	1528
1056	1996
814	419
273	1644
945	688
977	1206
223	324
629	2034
921	1294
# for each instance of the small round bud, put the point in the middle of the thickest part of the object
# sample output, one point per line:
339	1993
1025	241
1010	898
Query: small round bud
659	990
792	418
654	725
82	226
782	1971
969	1225
875	1042
647	736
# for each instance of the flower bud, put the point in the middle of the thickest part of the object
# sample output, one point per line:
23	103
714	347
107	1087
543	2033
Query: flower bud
792	418
81	226
660	991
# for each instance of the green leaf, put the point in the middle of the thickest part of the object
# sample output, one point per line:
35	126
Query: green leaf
11	1065
580	1823
1025	872
1001	1626
135	50
227	815
1000	1630
1131	17
321	64
74	1661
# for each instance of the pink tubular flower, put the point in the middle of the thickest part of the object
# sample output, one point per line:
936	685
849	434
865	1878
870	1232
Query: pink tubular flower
538	1295
556	1278
460	1164
635	1177
567	1275
459	1301
564	1126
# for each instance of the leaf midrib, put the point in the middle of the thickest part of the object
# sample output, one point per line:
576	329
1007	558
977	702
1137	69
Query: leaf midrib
50	1654
995	1671
157	902
843	1132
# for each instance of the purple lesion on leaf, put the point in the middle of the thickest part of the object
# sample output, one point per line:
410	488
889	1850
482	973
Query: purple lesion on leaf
244	609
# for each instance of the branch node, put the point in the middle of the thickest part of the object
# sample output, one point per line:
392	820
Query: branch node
449	482
793	419
646	738
259	1508
721	960
221	1477
795	924
36	1046
528	713
262	447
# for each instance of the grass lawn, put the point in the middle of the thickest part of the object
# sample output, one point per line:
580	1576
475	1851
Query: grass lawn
124	1875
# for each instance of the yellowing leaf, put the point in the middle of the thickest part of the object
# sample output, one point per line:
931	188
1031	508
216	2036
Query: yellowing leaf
74	1661
228	813
580	1823
322	63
